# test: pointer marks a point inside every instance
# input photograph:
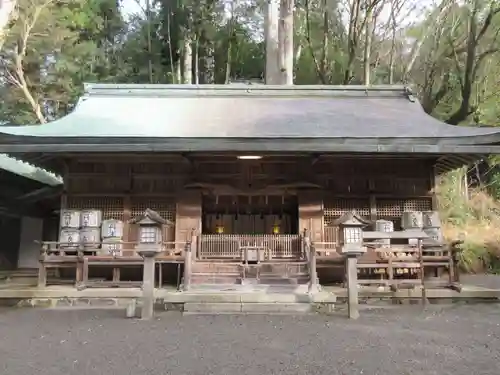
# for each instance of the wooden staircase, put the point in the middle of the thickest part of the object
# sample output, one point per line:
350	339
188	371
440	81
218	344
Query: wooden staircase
276	272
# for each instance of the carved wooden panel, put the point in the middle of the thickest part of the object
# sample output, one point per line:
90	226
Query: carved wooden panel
111	208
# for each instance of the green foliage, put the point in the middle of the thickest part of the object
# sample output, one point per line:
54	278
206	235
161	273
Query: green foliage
476	217
67	43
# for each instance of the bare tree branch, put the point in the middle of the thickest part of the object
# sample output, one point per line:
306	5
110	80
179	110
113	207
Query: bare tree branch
20	81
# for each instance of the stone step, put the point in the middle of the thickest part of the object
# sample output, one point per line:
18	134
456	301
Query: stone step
247	308
214	279
215	267
237	279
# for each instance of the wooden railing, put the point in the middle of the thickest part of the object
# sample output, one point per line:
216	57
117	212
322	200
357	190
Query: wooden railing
83	256
231	246
392	263
50	249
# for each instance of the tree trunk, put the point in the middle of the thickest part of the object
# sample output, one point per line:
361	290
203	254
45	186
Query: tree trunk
197	61
281	41
188	62
150	50
231	38
352	40
6	10
272	73
289	6
178	72
368	45
393	41
227	78
437	24
324	48
207	60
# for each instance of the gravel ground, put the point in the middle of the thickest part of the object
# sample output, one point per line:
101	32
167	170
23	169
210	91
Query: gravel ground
486	281
441	340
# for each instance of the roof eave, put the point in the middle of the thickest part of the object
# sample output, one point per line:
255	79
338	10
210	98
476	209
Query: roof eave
316	145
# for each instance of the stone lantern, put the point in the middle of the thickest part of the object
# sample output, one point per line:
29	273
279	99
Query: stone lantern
150	238
351	233
351	237
150	230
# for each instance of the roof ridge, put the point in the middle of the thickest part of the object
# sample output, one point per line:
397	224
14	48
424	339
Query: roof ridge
161	90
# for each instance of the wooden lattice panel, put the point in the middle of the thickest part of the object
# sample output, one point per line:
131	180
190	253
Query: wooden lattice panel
394	208
422	204
337	207
165	207
111	208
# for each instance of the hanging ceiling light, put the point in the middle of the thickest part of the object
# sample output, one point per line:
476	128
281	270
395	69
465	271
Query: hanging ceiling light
249	157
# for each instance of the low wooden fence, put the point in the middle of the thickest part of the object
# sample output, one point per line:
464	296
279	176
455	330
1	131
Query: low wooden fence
81	257
396	258
231	246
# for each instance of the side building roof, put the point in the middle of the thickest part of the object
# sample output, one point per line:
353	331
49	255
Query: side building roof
248	118
25	189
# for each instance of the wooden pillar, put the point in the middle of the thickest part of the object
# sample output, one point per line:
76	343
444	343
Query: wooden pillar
127	215
127	227
311	214
373	208
433	187
187	216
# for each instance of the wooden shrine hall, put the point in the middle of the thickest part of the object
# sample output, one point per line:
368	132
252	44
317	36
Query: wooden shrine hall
244	177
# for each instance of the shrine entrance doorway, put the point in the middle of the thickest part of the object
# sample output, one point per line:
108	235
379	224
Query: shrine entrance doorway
250	214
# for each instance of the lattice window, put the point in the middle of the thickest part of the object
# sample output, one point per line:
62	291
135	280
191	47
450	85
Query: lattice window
392	209
337	207
423	204
111	208
165	207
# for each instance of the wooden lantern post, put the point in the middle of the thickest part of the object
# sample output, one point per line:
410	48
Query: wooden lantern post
150	244
351	237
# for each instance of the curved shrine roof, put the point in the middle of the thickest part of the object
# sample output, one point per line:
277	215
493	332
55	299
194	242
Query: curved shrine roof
249	118
252	111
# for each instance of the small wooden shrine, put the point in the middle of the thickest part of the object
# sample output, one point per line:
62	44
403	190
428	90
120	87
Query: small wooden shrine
241	168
